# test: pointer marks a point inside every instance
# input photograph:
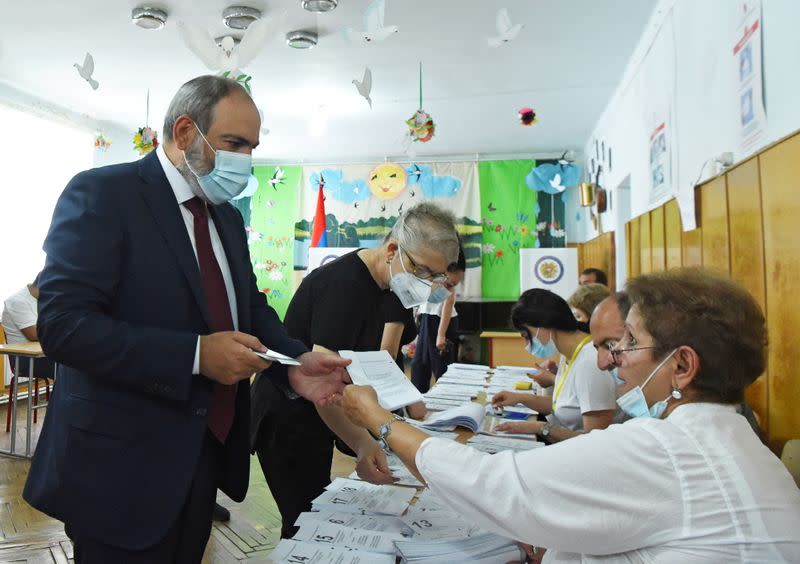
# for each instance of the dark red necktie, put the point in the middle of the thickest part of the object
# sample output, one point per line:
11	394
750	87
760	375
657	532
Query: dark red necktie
223	402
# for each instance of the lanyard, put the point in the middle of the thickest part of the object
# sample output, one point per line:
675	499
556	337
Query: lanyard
563	380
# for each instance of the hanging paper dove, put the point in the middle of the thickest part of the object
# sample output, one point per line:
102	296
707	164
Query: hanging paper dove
365	86
374	28
553	178
506	31
227	56
86	71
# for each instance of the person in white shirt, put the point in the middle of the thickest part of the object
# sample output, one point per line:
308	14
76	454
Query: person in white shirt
584	397
20	312
437	320
684	480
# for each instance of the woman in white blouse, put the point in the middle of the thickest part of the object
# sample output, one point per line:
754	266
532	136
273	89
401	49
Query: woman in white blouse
684	480
584	397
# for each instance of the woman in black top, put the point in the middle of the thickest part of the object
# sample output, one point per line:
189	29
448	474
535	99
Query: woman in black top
361	301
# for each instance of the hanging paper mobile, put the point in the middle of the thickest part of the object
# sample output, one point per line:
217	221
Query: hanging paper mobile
101	142
527	116
146	139
420	125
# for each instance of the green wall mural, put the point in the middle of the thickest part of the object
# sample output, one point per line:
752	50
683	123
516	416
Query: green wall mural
513	217
269	219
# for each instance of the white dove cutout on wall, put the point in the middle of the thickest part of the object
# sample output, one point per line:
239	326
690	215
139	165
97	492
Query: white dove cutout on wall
374	28
365	86
228	57
86	70
505	30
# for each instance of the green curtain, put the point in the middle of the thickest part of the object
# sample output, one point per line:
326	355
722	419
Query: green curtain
269	219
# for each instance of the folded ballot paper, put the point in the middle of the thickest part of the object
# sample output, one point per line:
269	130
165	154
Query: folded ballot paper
379	370
275	356
469	415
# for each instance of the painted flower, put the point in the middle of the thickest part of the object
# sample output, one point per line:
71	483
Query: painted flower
499	254
276	275
515	243
524	229
488	248
498	228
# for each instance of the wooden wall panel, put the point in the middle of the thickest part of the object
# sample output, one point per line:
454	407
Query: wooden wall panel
715	242
780	169
599	253
635	248
646	251
658	248
747	256
672	234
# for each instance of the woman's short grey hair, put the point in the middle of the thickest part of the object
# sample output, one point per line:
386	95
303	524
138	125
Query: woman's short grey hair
427	226
197	99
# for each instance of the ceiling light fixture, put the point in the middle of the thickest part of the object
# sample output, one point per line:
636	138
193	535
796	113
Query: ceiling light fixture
301	39
320	6
149	18
240	17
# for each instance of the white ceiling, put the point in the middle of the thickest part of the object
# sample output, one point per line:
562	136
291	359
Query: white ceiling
565	64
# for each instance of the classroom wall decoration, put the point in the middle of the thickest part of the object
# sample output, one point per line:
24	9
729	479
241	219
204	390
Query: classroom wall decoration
269	220
362	202
513	217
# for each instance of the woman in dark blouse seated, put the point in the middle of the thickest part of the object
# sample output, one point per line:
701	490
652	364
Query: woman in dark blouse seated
362	302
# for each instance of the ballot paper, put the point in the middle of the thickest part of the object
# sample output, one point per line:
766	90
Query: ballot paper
429	501
471	367
293	552
378	523
486	548
495	444
379	370
438	524
399	471
342	536
355	496
469	415
275	356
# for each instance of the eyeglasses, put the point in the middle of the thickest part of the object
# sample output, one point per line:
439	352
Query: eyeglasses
626	344
423	272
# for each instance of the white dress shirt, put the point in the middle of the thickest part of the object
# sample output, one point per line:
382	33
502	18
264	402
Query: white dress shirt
698	486
19	312
587	388
183	193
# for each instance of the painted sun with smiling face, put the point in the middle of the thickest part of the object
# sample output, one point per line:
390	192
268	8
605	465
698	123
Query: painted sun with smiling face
387	181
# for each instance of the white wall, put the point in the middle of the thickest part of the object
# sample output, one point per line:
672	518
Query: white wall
693	39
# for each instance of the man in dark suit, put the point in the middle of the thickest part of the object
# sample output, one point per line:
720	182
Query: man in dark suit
149	303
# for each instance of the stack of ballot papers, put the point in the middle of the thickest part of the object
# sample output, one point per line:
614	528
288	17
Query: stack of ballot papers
355	496
379	370
486	548
495	444
294	551
469	415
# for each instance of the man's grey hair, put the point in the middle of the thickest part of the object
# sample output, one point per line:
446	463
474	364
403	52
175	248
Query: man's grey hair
427	226
197	99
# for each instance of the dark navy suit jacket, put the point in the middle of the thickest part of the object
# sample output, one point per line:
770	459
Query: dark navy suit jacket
121	305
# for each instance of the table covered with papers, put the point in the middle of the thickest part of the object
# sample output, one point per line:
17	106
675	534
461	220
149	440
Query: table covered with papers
355	522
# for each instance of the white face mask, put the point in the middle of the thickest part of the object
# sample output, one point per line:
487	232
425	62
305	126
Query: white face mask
408	288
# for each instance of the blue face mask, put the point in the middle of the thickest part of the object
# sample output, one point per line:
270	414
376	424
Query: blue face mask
438	295
634	403
536	348
228	178
615	374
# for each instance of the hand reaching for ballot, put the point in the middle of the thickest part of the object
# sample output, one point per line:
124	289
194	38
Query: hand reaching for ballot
501	399
321	377
227	357
520	427
373	466
361	406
